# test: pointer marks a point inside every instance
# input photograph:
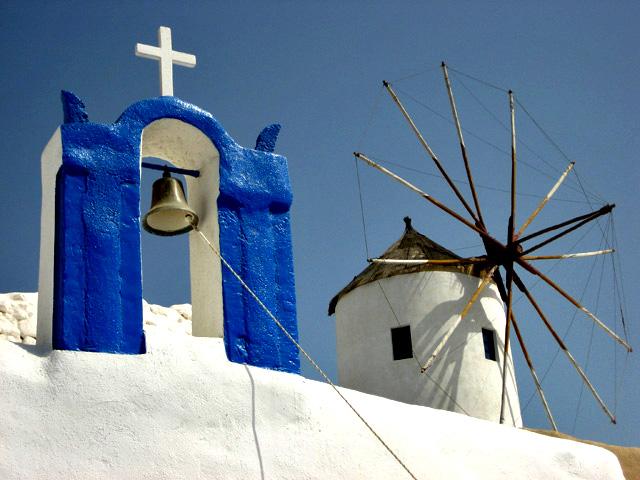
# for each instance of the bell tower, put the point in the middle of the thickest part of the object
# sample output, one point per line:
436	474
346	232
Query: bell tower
90	280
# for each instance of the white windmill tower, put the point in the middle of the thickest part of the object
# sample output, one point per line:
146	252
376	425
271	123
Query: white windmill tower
392	315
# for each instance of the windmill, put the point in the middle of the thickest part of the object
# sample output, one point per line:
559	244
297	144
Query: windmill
504	262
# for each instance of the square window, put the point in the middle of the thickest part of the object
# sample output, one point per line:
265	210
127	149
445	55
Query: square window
401	341
489	340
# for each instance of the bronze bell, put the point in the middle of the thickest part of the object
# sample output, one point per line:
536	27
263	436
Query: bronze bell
169	213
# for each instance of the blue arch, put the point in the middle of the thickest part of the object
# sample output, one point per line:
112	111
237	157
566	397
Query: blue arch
98	279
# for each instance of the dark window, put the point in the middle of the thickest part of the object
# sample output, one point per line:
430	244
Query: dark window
401	341
489	339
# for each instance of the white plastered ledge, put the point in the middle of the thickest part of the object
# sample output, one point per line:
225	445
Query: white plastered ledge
183	411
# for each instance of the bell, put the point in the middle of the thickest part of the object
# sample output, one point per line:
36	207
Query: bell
169	213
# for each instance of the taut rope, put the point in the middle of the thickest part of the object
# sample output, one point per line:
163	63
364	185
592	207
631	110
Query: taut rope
302	350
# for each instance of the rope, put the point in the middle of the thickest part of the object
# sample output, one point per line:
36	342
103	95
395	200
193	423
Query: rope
299	347
618	289
374	109
491	85
412	75
484	107
588	358
594	196
537	125
623	376
372	114
364	223
615	378
610	225
557	147
470	247
543	131
535	122
508	129
575	312
620	285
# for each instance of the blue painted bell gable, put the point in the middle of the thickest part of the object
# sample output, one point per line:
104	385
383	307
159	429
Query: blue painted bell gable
97	266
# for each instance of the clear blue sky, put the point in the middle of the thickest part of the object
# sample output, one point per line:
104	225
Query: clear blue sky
316	68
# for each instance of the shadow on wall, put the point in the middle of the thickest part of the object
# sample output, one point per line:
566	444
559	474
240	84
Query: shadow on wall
440	390
444	378
431	388
253	421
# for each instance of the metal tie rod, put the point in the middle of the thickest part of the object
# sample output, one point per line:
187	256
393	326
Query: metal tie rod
168	168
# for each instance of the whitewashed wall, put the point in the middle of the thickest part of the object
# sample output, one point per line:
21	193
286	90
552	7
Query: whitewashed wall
50	162
462	379
183	411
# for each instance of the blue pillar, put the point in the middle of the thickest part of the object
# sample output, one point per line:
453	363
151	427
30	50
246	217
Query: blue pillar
98	281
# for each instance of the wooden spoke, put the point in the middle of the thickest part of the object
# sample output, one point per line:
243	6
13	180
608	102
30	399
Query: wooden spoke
452	262
567	231
536	381
604	210
492	242
485	281
509	265
507	332
545	200
463	148
564	348
512	218
426	146
503	294
567	255
527	266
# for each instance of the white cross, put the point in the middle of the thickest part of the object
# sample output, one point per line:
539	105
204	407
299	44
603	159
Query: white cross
167	58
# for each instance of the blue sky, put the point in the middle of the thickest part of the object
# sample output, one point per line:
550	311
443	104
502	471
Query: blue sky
317	68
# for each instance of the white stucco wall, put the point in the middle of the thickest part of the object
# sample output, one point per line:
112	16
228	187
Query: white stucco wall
462	379
183	411
50	163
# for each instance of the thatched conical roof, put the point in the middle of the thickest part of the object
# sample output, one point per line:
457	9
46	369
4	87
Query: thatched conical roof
411	246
